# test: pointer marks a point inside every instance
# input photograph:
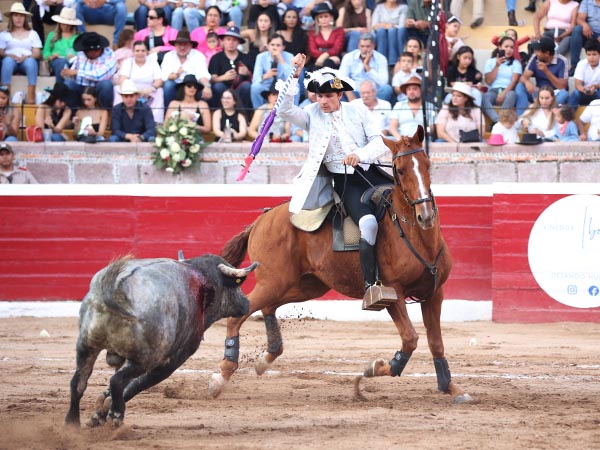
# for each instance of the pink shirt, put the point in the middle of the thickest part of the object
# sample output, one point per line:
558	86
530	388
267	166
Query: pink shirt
169	35
199	35
559	15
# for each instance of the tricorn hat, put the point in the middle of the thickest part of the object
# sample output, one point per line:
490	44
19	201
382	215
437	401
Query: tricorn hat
90	41
233	31
324	7
183	37
67	16
412	81
329	80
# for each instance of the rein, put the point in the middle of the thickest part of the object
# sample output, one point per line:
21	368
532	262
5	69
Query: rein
432	268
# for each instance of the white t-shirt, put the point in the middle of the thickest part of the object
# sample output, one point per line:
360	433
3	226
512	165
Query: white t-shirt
591	115
142	76
19	47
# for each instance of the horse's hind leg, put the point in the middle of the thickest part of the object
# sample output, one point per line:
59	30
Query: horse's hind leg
274	343
431	311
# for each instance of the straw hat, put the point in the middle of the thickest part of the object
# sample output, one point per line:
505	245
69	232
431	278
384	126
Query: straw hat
128	87
67	16
412	81
463	88
18	8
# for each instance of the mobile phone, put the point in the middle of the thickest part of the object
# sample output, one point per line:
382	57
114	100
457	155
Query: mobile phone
501	53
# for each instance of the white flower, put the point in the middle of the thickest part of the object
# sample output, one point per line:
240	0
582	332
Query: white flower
169	169
173	128
177	157
170	140
186	162
158	141
194	148
165	154
175	148
183	131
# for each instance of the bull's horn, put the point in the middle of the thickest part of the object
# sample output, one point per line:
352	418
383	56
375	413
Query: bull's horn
237	273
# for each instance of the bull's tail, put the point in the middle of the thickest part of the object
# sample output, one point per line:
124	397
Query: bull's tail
235	249
111	293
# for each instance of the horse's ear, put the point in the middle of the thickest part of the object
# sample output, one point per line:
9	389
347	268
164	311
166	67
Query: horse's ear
419	135
389	143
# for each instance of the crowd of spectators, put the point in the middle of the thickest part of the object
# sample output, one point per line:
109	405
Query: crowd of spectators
198	59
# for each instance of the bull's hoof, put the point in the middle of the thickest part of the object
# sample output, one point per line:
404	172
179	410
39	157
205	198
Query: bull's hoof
462	398
261	364
216	384
115	419
96	420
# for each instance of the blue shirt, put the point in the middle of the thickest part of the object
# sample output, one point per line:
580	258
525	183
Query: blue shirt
141	123
352	67
592	10
558	66
504	74
263	65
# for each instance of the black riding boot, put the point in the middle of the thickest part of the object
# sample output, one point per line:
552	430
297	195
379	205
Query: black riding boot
531	6
368	262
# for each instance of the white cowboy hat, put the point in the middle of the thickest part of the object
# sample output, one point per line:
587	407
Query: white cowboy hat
128	87
463	88
67	16
18	8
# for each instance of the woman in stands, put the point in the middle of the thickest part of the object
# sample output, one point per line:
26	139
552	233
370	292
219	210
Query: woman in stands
229	118
54	114
158	34
145	73
10	117
258	36
20	48
539	117
213	18
355	19
294	36
91	120
188	104
390	31
58	47
326	43
460	115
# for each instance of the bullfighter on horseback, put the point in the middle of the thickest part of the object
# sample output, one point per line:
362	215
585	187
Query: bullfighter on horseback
343	141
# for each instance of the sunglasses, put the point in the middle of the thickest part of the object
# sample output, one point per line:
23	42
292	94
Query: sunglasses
152	17
191	85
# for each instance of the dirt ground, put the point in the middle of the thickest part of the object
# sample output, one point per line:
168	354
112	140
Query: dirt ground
534	387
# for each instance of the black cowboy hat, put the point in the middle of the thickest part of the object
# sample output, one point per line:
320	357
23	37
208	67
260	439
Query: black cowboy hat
271	90
233	32
183	37
324	7
329	80
530	139
191	79
90	41
60	92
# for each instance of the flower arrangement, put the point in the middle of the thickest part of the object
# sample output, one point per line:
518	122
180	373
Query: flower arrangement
177	144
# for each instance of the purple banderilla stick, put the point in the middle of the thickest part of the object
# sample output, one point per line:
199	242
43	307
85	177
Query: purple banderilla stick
266	126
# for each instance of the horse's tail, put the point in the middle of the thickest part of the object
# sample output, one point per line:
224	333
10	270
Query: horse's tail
235	249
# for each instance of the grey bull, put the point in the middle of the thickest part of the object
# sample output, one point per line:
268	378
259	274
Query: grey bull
150	315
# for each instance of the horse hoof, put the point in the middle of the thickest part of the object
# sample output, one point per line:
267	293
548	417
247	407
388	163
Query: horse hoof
373	369
216	384
261	364
462	398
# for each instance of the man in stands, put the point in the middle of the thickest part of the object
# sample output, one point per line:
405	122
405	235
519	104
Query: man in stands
9	174
380	109
102	12
95	66
418	20
132	120
407	114
365	63
231	69
182	61
587	28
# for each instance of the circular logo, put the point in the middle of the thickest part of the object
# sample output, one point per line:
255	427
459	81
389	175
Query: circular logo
564	251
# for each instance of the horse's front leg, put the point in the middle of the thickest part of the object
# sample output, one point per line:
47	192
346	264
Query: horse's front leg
274	342
432	310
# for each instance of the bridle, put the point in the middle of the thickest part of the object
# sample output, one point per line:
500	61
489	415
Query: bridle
418	201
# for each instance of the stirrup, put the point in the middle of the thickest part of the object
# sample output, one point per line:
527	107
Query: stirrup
377	297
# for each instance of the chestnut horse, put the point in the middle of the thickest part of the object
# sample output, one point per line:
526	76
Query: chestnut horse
296	266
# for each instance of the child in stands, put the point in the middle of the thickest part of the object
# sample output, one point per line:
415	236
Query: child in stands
522	57
507	125
406	71
565	128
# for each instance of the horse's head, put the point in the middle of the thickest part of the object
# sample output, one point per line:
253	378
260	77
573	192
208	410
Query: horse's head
410	165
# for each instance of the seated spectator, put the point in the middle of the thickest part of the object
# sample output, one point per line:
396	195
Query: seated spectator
95	66
560	18
379	108
41	13
418	20
407	114
157	35
520	56
10	116
9	173
502	74
124	48
140	16
188	104
389	18
365	63
229	117
591	115
539	118
232	11
90	120
507	125
199	34
565	129
271	65
190	13
259	35
326	42
404	73
463	69
263	7
231	69
415	48
355	18
587	77
20	48
58	48
54	114
460	115
280	130
93	12
453	39
182	61
131	121
548	69
147	76
587	28
212	42
294	37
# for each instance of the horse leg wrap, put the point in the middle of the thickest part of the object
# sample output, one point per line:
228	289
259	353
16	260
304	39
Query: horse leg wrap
443	373
232	349
274	341
398	363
